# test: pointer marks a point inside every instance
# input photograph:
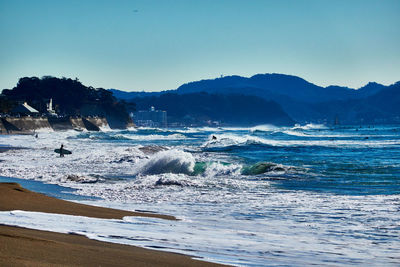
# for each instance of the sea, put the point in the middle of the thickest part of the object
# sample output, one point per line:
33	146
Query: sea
245	196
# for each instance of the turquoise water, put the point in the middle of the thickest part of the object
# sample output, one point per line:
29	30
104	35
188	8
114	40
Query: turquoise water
257	196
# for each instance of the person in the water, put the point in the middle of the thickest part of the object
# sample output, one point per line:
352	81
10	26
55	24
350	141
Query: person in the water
214	137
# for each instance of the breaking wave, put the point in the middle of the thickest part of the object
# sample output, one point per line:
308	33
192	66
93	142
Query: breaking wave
179	162
169	161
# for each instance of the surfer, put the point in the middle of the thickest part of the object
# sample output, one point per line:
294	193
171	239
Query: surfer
214	137
61	151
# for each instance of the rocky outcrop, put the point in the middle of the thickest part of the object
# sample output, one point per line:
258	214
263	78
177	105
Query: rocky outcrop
95	123
77	123
90	126
3	129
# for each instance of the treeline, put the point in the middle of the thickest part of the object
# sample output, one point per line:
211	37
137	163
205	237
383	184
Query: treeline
232	109
70	97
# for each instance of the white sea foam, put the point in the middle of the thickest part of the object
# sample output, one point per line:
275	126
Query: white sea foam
287	228
210	129
184	130
265	128
309	126
216	169
44	130
227	140
296	133
105	128
301	133
132	129
158	137
38	160
134	136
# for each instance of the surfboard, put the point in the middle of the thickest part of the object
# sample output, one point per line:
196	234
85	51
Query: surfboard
65	152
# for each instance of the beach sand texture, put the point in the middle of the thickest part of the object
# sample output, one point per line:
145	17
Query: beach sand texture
26	247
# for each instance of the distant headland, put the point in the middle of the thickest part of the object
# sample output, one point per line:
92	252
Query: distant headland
60	104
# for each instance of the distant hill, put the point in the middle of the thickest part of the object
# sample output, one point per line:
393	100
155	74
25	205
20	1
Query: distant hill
230	109
300	99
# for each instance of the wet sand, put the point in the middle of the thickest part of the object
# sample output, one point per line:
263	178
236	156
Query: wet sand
15	197
26	247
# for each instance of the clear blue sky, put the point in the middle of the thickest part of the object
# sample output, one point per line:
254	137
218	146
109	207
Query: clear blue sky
157	45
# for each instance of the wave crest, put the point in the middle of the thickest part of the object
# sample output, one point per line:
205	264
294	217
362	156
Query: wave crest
265	167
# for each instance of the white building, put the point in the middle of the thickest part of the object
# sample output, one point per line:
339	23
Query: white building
150	118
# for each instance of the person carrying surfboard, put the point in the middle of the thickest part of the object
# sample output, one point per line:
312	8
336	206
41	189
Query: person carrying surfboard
61	151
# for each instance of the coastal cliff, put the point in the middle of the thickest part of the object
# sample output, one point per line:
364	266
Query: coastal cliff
25	125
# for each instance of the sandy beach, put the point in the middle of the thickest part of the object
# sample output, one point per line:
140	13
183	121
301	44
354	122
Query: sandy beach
15	197
26	247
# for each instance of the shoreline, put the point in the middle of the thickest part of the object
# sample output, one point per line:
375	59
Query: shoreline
22	246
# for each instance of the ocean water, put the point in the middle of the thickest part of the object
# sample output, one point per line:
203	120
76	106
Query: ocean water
259	196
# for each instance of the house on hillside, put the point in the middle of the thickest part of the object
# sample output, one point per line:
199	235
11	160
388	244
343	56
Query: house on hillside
24	110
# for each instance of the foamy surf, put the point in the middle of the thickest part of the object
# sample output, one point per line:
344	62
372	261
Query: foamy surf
244	191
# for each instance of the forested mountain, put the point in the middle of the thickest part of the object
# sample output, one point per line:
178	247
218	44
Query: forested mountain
267	85
301	100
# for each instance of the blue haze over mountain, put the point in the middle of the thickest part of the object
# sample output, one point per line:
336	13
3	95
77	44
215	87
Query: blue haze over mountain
302	100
